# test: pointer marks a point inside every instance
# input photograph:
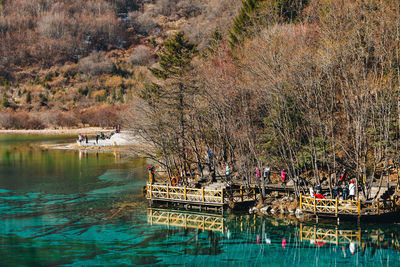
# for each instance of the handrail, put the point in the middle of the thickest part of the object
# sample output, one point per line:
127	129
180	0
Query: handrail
184	193
339	206
200	195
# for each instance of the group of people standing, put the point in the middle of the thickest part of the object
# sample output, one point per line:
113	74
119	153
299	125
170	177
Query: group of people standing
344	190
82	139
266	173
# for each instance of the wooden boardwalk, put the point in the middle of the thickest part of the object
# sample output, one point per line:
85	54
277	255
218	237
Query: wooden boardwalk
202	197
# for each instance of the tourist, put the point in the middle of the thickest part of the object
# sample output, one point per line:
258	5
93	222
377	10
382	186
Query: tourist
352	190
210	158
97	139
345	190
227	171
335	190
86	139
80	138
267	173
318	189
258	173
312	193
283	176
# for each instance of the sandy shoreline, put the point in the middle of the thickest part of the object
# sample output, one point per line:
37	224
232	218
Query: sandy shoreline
84	131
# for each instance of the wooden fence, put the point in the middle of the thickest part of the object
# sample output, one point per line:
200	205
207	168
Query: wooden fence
185	194
345	207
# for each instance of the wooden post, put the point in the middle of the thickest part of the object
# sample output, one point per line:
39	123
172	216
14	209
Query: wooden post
301	202
184	192
150	177
150	191
377	206
202	194
241	192
359	207
222	195
315	207
336	234
167	191
336	206
254	192
301	230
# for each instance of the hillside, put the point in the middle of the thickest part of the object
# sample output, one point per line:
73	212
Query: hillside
79	62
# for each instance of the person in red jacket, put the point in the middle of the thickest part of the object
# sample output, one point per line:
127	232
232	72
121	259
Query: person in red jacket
283	176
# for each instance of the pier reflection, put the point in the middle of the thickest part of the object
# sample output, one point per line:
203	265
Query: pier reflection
265	240
203	221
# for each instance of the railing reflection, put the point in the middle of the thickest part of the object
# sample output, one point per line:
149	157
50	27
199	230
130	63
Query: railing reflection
212	222
333	236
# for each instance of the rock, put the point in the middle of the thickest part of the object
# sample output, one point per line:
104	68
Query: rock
265	209
272	211
275	194
253	210
298	211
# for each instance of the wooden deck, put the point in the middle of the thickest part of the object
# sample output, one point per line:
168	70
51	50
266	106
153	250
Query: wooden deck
231	197
338	207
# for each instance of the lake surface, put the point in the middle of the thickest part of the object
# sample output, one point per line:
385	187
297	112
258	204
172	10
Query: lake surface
60	207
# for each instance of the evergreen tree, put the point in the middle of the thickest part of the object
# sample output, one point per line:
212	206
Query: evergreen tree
5	103
28	97
173	97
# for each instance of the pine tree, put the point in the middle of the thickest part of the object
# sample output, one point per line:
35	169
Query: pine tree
28	97
5	103
174	95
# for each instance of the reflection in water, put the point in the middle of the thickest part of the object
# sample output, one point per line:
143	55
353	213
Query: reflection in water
234	237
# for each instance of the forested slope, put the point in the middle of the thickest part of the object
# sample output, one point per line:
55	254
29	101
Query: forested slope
311	87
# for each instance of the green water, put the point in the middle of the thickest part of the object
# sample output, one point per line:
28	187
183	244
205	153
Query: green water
58	207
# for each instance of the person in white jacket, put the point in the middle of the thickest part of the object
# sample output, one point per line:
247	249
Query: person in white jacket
352	190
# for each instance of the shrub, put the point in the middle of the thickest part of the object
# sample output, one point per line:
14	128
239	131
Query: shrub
141	56
106	116
65	120
20	120
142	23
100	95
95	64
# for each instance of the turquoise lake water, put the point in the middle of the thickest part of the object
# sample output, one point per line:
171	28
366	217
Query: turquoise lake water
58	207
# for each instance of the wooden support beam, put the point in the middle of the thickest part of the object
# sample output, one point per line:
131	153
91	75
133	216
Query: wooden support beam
359	208
301	201
167	191
336	206
222	195
202	194
377	206
150	188
184	192
315	206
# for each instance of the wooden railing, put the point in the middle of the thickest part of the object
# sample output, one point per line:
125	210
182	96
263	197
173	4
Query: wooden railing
333	236
339	206
186	220
184	194
330	206
199	195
